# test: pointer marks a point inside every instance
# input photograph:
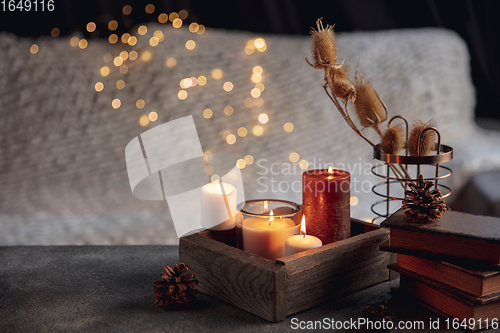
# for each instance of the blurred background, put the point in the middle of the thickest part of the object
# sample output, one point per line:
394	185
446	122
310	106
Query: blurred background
82	80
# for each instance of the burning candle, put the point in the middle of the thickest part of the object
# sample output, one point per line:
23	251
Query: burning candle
218	206
266	237
302	242
325	202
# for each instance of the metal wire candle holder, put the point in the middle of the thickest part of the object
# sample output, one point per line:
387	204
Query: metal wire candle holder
443	154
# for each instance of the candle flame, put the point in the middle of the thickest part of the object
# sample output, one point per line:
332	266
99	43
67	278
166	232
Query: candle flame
266	205
303	226
330	169
271	219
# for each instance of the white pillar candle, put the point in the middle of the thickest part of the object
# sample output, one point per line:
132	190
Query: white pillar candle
302	242
266	237
214	209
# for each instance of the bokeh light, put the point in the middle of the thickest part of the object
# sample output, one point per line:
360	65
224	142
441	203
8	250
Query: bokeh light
153	41
183	14
190	44
248	159
182	94
173	16
55	32
170	62
146	56
202	80
74	41
133	55
255	92
140	103
217	74
120	84
112	25
123	69
353	201
242	132
303	164
258	130
153	116
293	157
83	44
132	40
263	118
228	86
163	18
127	9
91	27
241	163
99	86
231	139
201	29
34	49
260	86
256	78
142	30
150	8
125	37
177	23
104	70
208	156
124	55
118	61
116	103
113	38
207	113
288	127
228	110
257	70
258	102
144	120
194	27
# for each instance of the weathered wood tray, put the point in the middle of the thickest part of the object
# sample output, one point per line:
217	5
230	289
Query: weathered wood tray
276	289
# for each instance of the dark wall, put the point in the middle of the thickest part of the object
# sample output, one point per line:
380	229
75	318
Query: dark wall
475	21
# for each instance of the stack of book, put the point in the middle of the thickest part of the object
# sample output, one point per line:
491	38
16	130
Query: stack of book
451	265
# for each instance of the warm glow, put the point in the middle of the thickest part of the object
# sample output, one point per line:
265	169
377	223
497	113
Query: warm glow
303	225
105	71
55	32
207	113
228	86
91	27
208	155
182	94
257	70
74	41
248	159
120	84
183	14
330	169
140	103
228	110
260	86
142	30
201	29
144	120
133	55
263	118
185	83
83	44
158	34
123	69
34	49
288	127
150	8
303	164
118	61
256	78
271	219
132	40
194	27
259	101
242	132
112	25
255	92
124	55
257	130
190	44
202	80
125	37
116	103
173	16
259	43
153	41
217	74
171	62
231	139
177	23
294	157
353	201
266	205
113	38
127	9
241	163
146	56
99	86
153	116
163	18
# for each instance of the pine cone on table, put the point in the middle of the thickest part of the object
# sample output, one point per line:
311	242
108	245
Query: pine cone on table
422	204
175	289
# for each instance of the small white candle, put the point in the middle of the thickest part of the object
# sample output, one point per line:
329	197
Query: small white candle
266	237
214	210
302	242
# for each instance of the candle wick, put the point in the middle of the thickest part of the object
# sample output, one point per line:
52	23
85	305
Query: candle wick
303	234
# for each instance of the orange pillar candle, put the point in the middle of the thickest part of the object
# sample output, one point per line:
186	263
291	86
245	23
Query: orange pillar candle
325	202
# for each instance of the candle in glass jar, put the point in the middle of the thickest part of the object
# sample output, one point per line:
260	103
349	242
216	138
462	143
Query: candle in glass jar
325	202
218	209
302	242
266	237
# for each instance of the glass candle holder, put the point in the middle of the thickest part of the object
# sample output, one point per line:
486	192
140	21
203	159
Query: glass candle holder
266	225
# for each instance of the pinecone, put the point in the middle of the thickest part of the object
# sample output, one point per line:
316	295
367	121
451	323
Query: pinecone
175	289
422	204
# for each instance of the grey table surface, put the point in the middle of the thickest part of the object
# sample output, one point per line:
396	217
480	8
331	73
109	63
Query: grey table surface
109	289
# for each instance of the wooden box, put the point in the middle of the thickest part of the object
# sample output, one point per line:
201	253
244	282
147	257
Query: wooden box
274	290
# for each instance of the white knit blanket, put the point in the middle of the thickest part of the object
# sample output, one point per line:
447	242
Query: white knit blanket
62	168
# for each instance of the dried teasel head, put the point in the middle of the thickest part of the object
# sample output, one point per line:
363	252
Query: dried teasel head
427	140
324	47
339	83
369	107
392	140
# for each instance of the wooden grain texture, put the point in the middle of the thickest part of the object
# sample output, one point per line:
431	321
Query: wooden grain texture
335	269
249	282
